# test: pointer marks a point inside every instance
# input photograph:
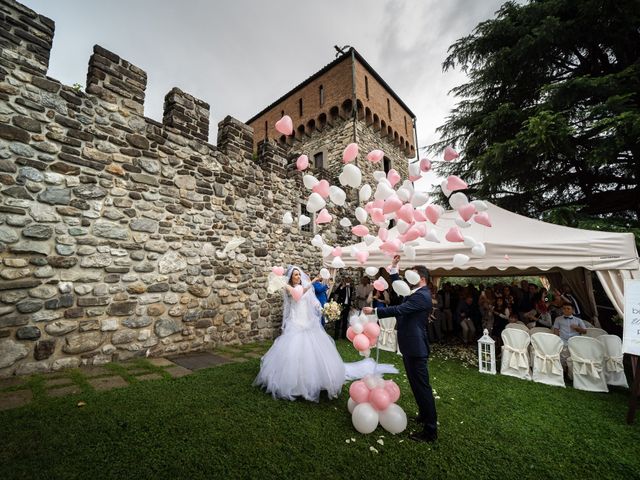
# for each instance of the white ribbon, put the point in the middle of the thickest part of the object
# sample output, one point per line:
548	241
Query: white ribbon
549	363
387	336
613	364
587	367
518	357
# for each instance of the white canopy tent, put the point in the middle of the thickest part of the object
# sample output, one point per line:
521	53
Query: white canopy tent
517	245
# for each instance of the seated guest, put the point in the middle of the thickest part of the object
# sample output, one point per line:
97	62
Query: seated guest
465	319
568	325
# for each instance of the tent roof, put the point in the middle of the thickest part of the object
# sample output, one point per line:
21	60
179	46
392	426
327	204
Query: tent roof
531	246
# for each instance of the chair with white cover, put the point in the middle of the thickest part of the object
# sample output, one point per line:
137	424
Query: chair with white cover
613	367
515	358
595	332
546	359
540	330
388	339
519	326
587	360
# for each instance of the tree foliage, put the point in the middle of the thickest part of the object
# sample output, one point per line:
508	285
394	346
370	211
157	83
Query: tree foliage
550	116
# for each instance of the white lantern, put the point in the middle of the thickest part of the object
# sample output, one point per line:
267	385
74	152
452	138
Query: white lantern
487	354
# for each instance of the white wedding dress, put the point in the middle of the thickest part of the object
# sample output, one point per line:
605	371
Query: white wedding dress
304	361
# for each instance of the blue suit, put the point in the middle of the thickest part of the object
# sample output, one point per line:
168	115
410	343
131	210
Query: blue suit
412	316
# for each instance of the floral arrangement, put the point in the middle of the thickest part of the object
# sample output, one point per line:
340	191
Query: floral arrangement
331	311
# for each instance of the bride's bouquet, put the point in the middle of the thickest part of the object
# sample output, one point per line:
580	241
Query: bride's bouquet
331	311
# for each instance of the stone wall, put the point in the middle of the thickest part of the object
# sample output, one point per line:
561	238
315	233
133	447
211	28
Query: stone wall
113	226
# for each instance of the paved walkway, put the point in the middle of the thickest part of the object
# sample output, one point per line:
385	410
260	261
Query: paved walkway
18	391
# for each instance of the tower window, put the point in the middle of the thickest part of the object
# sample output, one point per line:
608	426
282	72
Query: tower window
366	86
281	113
300	106
387	165
318	161
266	129
405	125
389	109
309	227
321	91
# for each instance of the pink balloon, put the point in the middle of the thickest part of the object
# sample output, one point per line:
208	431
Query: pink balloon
421	228
279	271
372	330
337	252
383	234
379	285
362	257
454	235
378	204
360	231
322	188
323	217
406	213
450	154
297	292
302	163
419	216
415	178
377	215
285	125
350	334
390	247
393	390
350	153
456	183
413	234
393	176
483	219
379	399
358	391
433	213
374	156
392	204
361	342
466	211
368	207
425	165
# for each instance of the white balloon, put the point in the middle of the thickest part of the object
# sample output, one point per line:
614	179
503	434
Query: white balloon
458	200
287	218
327	250
310	181
393	419
369	239
480	205
403	194
371	271
479	249
444	188
414	169
361	214
338	263
317	241
432	236
345	222
352	175
342	178
401	288
353	250
315	203
351	405
379	175
325	274
402	226
419	199
337	195
303	220
412	277
409	186
365	192
357	328
461	223
468	241
459	259
410	252
383	191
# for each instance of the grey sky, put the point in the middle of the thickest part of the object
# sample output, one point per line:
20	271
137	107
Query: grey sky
241	55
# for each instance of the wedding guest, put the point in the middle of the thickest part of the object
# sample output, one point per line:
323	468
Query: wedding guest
568	325
380	298
362	293
344	296
465	318
322	288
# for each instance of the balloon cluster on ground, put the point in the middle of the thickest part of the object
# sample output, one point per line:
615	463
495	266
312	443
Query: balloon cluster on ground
372	401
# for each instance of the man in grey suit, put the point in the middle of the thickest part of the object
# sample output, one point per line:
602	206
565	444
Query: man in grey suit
412	316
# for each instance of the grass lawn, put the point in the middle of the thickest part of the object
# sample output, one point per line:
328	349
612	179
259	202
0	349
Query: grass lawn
214	424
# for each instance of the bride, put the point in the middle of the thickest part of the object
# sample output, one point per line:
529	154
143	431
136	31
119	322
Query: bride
304	360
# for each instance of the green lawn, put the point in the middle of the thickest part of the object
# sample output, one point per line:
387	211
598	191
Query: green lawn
214	424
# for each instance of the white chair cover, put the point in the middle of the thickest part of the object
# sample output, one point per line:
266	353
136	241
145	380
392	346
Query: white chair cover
595	332
388	339
613	367
587	359
546	360
540	330
515	360
519	326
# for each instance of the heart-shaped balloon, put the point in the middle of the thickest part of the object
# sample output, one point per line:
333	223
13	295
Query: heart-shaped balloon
401	288
454	235
287	218
425	164
369	239
377	215
402	226
374	156
433	213
392	204
362	257
466	211
350	153
325	274
383	191
303	220
322	188
285	125
480	205
337	195
483	219
317	241
360	230
345	222
414	170
469	241
302	163
352	175
315	202
479	249
337	252
415	179
365	192
383	234
461	223
390	247
412	277
432	236
456	183
279	271
413	234
419	199
380	284
323	217
457	200
445	191
361	214
338	263
405	213
309	181
297	292
403	194
459	259
379	175
419	216
371	271
326	250
393	176
450	154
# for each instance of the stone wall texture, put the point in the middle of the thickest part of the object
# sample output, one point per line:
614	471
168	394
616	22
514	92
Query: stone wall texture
113	226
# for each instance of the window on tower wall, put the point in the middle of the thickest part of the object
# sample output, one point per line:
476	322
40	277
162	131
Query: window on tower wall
389	109
366	86
300	106
321	92
318	161
309	227
387	165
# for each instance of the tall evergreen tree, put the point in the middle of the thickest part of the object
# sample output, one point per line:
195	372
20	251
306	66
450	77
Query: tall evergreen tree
549	120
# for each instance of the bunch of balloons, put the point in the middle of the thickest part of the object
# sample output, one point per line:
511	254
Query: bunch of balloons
372	401
363	332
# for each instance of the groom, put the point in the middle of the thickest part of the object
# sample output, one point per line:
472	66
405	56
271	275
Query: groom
413	315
